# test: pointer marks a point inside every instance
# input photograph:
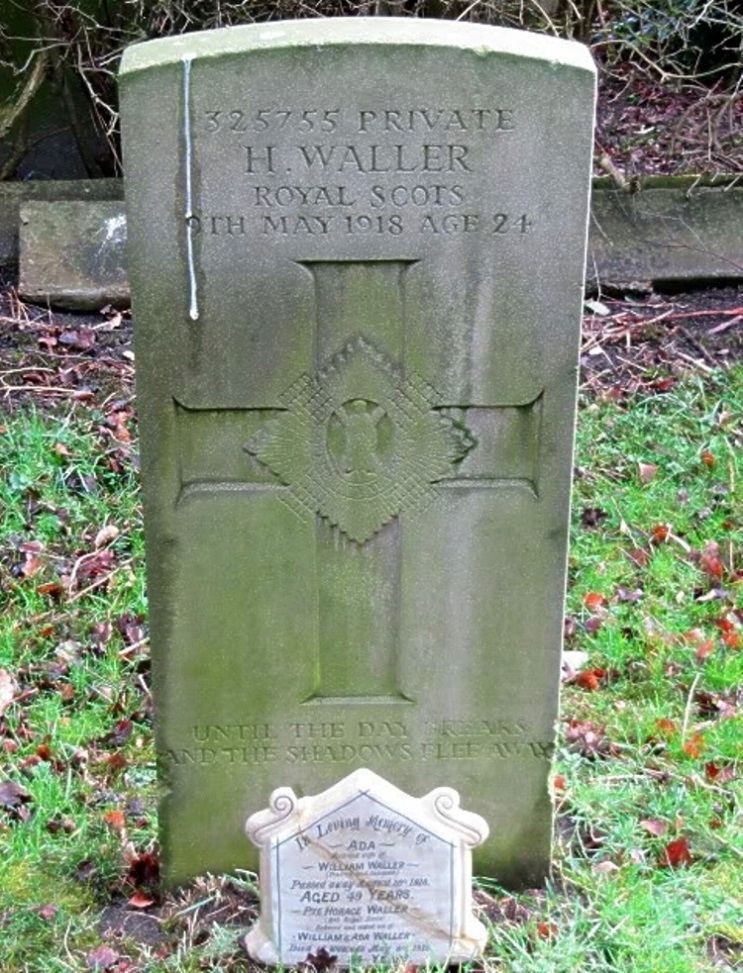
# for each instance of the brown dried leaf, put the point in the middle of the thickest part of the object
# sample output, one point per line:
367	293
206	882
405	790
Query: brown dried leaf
655	827
638	556
594	600
140	901
105	535
705	650
144	869
8	688
676	853
32	566
321	960
101	958
115	820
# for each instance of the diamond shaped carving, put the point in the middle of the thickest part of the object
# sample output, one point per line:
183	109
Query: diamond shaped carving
360	441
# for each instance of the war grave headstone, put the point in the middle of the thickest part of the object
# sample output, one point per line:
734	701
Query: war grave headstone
356	251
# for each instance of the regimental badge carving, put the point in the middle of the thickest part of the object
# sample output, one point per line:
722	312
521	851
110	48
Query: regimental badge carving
360	441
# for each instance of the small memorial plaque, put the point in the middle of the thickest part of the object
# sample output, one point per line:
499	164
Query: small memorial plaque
366	873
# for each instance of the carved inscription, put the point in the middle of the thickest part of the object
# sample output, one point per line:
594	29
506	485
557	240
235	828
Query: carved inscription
353	741
369	881
367	873
332	172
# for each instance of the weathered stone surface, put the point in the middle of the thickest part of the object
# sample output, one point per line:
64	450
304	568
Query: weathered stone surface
14	194
72	254
672	229
356	251
367	873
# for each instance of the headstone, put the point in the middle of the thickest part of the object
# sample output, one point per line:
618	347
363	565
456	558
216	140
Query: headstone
14	194
356	251
368	874
72	254
674	228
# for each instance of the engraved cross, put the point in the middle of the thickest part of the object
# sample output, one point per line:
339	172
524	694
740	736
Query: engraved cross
356	448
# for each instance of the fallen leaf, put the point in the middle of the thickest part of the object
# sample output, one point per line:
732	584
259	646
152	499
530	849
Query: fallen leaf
693	748
102	958
105	535
140	901
719	774
647	472
594	600
715	704
116	762
631	596
660	533
47	912
593	516
586	738
638	556
587	680
8	689
12	795
666	727
321	960
121	732
52	588
594	623
605	868
115	820
731	640
594	677
712	565
82	340
662	384
725	623
44	752
597	307
676	853
144	869
705	650
654	827
32	566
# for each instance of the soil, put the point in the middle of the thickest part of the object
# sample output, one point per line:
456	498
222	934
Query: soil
631	343
645	128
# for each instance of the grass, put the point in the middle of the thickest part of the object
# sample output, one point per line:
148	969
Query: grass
650	839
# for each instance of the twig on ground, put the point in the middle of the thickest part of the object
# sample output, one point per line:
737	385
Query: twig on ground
687	709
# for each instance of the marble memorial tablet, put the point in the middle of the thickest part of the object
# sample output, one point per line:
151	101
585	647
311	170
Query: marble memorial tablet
368	874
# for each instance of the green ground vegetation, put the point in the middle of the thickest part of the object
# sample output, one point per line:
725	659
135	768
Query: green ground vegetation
649	843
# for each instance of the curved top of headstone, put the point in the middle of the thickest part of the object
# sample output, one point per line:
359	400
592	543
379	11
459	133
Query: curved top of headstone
483	39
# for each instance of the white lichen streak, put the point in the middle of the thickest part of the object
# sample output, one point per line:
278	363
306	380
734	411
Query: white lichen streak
193	309
113	230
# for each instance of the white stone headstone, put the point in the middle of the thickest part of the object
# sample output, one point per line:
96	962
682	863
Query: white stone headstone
367	874
356	250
